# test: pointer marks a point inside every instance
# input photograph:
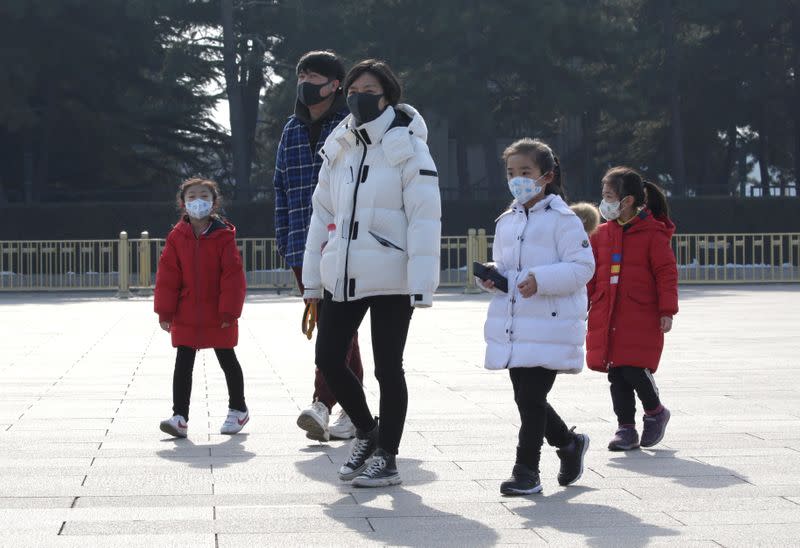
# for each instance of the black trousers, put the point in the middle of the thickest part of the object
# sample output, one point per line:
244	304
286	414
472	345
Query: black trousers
182	379
390	317
539	420
625	380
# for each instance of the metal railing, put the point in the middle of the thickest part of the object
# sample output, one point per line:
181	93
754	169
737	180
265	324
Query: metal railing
129	265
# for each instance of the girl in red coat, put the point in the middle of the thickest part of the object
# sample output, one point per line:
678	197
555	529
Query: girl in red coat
200	290
632	298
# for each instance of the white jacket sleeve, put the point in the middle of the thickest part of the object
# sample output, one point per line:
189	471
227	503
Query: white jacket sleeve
322	215
423	208
576	261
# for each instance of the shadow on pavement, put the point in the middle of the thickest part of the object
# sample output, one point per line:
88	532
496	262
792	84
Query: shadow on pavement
435	526
586	520
225	454
690	470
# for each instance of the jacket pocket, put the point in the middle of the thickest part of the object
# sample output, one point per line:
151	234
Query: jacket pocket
596	297
643	298
385	242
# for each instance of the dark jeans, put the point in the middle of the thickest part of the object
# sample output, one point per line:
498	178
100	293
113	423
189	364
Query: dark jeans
539	420
353	360
182	379
390	317
624	381
322	392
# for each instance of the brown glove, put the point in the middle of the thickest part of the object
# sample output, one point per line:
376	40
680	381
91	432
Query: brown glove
309	320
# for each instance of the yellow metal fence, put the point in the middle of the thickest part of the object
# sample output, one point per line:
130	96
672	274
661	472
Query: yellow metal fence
125	265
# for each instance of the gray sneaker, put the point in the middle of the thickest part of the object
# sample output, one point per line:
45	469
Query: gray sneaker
655	426
625	439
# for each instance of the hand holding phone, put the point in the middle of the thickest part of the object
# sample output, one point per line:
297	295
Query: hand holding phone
489	273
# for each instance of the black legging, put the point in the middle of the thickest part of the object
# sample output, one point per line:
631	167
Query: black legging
624	381
390	317
182	379
538	419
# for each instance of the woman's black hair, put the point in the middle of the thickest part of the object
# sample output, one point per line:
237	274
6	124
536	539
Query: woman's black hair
627	181
392	90
544	158
326	63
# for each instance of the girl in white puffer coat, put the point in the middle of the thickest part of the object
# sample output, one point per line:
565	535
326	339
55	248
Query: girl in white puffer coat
537	329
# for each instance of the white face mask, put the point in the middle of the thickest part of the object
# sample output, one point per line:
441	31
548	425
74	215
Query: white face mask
610	210
199	209
523	189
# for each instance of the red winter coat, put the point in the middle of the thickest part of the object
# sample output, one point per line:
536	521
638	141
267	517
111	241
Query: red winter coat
200	284
625	314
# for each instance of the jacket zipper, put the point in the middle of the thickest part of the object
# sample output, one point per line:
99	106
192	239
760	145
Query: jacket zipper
197	300
513	288
346	287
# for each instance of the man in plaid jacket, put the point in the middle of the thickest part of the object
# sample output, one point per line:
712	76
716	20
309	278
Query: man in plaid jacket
319	108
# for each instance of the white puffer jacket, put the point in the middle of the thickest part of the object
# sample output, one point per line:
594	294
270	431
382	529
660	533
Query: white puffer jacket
548	329
379	187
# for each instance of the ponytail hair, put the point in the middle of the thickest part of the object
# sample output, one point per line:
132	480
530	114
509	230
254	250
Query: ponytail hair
656	199
544	158
627	181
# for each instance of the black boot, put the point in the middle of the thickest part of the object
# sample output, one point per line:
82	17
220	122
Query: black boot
571	457
523	481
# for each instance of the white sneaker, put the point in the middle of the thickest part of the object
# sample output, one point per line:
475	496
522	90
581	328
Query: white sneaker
314	421
235	421
343	428
175	426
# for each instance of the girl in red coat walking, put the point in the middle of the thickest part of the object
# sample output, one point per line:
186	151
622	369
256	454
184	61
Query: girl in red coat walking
632	297
199	294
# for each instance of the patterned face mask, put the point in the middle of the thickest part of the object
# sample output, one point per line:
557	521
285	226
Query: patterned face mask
610	210
199	208
523	189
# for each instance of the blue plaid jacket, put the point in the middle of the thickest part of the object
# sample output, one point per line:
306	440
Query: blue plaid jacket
296	173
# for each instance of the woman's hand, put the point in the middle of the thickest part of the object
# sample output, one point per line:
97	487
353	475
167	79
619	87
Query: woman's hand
165	326
528	287
666	324
487	284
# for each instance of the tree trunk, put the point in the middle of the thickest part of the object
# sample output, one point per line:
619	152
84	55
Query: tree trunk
42	170
233	88
494	173
672	74
463	168
730	156
27	166
252	94
763	154
795	102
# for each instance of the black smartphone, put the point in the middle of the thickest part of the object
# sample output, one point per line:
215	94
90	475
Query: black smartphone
486	273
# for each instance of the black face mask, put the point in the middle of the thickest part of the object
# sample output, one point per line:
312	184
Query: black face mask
364	107
308	93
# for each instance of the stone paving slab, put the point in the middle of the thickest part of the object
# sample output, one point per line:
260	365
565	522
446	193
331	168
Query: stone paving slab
86	378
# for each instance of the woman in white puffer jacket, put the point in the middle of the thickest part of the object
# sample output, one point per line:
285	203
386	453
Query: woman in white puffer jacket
373	244
537	329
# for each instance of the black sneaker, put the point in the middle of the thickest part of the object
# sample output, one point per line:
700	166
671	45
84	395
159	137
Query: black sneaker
360	451
523	481
380	472
572	459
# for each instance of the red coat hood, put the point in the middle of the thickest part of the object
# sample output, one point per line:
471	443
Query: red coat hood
647	221
220	228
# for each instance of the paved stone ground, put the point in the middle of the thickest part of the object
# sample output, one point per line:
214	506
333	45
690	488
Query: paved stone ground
85	380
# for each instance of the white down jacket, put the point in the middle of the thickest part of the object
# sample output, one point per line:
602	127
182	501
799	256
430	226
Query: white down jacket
548	329
377	209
